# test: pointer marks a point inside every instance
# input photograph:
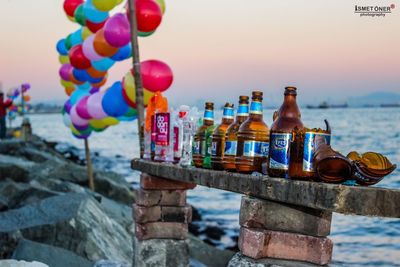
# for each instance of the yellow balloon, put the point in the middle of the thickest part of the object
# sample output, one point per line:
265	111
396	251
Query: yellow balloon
104	5
119	1
86	33
71	18
130	90
109	121
97	124
74	130
161	3
63	59
67	84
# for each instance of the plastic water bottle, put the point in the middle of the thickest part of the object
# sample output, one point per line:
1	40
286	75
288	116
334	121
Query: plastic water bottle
189	128
179	118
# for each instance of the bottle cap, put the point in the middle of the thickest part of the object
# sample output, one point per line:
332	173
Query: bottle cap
243	99
257	95
291	90
209	105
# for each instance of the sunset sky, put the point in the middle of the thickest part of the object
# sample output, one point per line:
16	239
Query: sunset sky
219	49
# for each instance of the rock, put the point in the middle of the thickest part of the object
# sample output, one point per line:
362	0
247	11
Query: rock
208	255
74	222
242	261
121	213
161	253
15	168
3	204
8	243
213	232
107	263
196	216
52	256
14	263
113	186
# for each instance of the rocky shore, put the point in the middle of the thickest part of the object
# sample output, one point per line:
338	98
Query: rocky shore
49	215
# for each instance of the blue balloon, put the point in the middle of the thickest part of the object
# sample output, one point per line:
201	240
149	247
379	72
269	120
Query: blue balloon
94	80
92	14
84	87
81	75
103	64
123	53
113	101
77	95
61	48
127	118
76	37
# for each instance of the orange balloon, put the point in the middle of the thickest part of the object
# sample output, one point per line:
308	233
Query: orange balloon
95	73
100	84
27	98
73	80
101	46
69	90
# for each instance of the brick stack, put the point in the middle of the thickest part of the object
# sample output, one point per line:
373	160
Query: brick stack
161	221
275	230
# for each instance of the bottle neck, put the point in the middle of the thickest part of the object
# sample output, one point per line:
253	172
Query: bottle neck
289	108
208	117
228	115
256	110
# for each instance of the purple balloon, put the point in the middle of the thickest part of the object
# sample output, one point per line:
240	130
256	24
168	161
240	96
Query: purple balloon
67	106
94	106
94	90
64	72
81	128
25	87
76	119
81	108
117	30
88	49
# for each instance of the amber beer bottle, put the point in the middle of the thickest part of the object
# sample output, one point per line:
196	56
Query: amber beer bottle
253	138
231	134
218	138
200	150
288	117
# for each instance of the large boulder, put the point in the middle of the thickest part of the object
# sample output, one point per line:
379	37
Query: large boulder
50	255
15	168
242	261
15	263
74	222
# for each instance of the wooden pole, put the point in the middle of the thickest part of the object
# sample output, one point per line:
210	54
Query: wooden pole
89	165
137	76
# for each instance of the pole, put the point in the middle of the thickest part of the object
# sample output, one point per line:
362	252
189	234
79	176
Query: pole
89	165
137	76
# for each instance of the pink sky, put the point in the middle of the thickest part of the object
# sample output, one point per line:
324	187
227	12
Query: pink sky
220	49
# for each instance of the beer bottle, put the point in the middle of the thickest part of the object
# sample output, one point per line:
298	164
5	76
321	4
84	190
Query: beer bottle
287	118
253	138
231	134
200	150
218	138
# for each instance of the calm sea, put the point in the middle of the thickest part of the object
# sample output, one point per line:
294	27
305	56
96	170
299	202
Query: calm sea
359	241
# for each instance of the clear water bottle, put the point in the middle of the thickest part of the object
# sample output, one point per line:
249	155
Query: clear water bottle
179	118
189	128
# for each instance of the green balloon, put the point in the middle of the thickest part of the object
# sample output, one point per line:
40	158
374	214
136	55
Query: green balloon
68	43
79	15
145	34
131	112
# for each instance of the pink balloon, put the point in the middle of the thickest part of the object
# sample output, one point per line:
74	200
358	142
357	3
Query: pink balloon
94	106
156	75
76	119
117	30
65	71
88	49
81	108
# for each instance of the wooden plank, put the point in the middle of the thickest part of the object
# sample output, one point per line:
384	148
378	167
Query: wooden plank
367	201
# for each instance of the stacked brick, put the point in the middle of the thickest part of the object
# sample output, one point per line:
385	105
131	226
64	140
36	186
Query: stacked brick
276	230
160	211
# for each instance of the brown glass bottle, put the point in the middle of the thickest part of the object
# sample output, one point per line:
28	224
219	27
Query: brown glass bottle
253	139
287	118
199	144
218	138
231	134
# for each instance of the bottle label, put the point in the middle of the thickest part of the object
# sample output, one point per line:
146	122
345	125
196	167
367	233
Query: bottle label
214	146
230	148
162	129
256	107
209	115
176	139
311	144
255	149
203	148
196	148
279	151
243	110
228	113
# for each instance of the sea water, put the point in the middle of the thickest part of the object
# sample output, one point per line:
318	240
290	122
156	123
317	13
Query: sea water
359	241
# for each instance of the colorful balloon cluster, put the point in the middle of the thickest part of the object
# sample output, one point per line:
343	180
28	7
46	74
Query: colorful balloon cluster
87	54
13	94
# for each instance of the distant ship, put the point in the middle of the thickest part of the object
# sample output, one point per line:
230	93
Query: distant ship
325	105
394	105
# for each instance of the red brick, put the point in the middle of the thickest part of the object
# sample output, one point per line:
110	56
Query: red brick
161	230
158	183
149	198
256	244
162	214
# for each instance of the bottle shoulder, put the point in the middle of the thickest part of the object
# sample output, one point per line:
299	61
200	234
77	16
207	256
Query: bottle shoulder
285	124
253	126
